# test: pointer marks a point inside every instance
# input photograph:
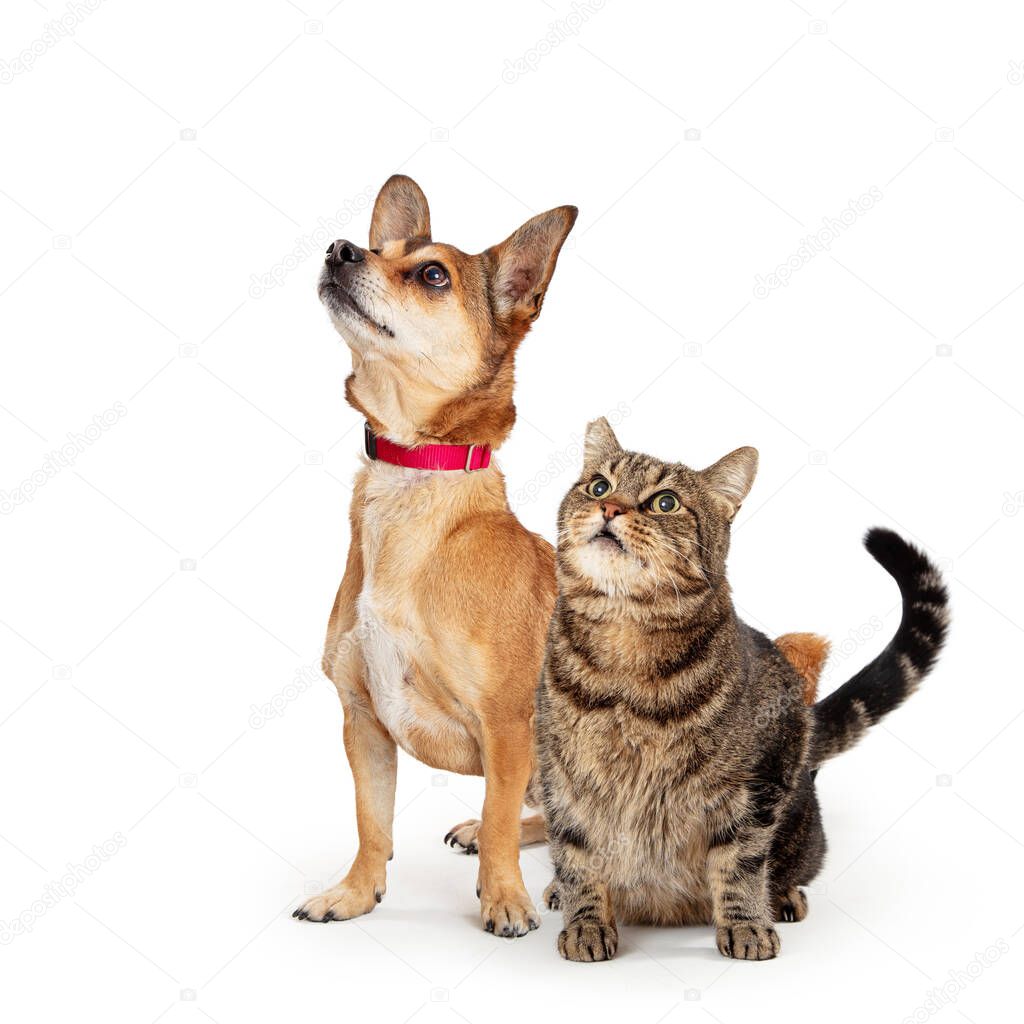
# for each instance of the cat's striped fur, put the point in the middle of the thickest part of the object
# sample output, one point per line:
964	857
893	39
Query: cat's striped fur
676	752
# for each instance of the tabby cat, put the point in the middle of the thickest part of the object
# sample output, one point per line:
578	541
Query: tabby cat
677	755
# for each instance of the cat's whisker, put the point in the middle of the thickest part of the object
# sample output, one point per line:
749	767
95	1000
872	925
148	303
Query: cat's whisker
664	571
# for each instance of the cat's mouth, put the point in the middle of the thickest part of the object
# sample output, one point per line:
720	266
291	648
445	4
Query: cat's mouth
606	539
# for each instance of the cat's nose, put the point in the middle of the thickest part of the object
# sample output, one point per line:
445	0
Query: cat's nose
610	510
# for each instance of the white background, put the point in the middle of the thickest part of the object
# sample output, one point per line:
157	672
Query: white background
882	384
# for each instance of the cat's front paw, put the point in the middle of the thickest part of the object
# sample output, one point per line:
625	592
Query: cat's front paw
748	941
588	941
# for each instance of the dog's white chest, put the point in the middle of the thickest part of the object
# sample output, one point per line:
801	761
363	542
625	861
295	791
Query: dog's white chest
395	541
384	640
387	666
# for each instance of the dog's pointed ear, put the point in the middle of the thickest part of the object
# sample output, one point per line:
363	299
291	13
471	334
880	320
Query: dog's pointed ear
731	477
400	211
599	442
522	265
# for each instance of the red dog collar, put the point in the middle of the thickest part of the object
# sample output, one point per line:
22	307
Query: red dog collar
467	457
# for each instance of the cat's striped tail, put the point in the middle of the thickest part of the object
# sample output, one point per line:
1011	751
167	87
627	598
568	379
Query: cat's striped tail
841	718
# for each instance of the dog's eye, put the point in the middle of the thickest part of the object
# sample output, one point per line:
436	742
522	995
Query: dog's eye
434	274
598	487
664	502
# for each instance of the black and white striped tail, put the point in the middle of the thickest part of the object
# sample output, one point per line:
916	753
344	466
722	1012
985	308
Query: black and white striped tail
843	716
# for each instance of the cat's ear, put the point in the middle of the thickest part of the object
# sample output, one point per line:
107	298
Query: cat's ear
599	442
523	264
731	477
400	211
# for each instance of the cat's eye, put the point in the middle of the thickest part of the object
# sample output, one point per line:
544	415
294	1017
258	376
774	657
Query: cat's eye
598	487
664	502
434	274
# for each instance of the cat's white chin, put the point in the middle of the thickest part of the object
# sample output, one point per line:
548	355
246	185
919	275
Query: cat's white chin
608	566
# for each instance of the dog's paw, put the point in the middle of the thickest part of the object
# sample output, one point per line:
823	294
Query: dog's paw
588	941
551	898
748	941
463	837
508	914
792	906
340	903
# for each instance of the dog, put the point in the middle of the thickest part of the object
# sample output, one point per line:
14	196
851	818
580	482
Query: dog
436	638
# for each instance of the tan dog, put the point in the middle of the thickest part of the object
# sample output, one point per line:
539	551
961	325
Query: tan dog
436	639
437	635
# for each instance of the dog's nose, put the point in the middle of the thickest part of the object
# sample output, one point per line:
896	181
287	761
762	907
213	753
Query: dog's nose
343	251
610	510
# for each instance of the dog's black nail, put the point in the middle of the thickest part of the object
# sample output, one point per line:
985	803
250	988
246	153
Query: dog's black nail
489	927
378	896
329	916
448	837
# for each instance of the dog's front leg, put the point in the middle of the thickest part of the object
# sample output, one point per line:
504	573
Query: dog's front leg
373	759
505	906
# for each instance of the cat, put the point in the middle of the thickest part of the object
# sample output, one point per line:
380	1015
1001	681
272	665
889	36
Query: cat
677	754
